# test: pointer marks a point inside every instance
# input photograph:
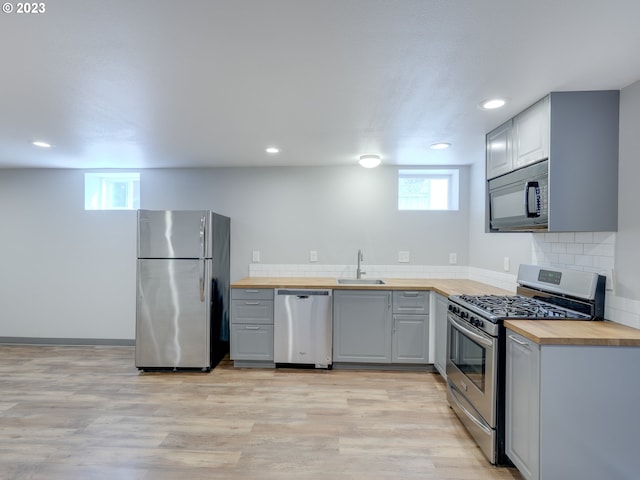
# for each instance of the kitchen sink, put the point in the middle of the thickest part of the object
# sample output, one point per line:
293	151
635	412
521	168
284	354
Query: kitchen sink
361	281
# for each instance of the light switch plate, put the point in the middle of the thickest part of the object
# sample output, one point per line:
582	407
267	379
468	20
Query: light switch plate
453	258
403	257
313	256
506	264
256	256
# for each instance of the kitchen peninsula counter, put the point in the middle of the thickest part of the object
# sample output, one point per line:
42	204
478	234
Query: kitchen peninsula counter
444	287
572	332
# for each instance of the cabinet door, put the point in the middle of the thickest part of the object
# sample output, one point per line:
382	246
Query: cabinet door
362	326
523	404
251	342
531	134
499	150
252	311
440	344
410	339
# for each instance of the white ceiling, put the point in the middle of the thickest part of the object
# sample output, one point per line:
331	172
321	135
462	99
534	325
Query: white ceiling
158	83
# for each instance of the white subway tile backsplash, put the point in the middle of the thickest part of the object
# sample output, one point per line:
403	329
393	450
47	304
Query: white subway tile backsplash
604	237
551	237
586	251
575	248
567	237
583	237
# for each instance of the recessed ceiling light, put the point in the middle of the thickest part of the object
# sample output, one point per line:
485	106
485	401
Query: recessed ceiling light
440	146
272	150
370	161
42	144
493	103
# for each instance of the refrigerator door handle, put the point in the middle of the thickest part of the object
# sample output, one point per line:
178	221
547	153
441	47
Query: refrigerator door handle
203	234
202	272
203	253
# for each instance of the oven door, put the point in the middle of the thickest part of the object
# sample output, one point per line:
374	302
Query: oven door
472	361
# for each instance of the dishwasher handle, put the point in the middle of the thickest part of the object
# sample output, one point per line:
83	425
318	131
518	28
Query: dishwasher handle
303	293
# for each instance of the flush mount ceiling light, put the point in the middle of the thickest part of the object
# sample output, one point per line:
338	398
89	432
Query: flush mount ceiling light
492	103
41	144
272	150
439	146
370	161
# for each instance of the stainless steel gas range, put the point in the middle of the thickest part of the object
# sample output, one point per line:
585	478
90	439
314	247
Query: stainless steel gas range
476	342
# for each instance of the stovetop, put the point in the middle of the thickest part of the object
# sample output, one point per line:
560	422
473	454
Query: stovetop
497	307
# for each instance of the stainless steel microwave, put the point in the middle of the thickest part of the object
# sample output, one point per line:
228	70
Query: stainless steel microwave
519	200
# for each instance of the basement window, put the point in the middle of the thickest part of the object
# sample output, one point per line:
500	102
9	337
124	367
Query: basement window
112	191
428	189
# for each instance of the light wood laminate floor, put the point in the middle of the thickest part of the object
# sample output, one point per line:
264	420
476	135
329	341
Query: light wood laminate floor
87	413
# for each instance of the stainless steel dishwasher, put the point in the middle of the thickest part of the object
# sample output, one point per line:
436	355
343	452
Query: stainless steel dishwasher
302	327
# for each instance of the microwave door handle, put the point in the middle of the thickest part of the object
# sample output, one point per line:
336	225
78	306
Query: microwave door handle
535	186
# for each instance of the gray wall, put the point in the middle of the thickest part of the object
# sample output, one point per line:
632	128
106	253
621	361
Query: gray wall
70	273
64	272
487	250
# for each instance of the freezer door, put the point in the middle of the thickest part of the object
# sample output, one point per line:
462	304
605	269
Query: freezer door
174	234
173	314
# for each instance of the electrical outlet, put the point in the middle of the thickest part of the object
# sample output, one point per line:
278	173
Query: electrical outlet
256	256
313	256
453	258
403	257
506	265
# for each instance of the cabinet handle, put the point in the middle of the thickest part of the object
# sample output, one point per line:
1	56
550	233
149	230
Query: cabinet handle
252	327
252	291
252	303
389	301
410	294
519	342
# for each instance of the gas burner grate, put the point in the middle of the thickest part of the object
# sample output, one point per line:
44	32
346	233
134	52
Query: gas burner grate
517	306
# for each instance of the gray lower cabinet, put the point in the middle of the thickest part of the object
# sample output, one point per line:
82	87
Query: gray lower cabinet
410	339
440	333
410	334
571	410
362	326
252	326
380	326
523	404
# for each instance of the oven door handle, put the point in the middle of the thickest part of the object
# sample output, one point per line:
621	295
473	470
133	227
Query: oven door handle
462	328
471	416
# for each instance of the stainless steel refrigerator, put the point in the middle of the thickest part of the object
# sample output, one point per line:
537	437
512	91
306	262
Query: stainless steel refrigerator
182	308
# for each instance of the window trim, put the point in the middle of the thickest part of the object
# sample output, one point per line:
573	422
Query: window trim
100	197
451	174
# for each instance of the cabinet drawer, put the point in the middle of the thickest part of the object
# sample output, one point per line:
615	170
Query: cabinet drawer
411	302
252	311
252	342
252	293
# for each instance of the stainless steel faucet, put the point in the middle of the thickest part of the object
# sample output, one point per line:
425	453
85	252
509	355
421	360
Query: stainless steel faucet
359	272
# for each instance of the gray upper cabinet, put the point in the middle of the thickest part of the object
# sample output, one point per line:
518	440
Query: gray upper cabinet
500	150
578	133
362	326
531	134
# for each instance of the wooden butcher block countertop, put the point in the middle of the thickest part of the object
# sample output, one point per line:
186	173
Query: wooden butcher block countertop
571	332
444	287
